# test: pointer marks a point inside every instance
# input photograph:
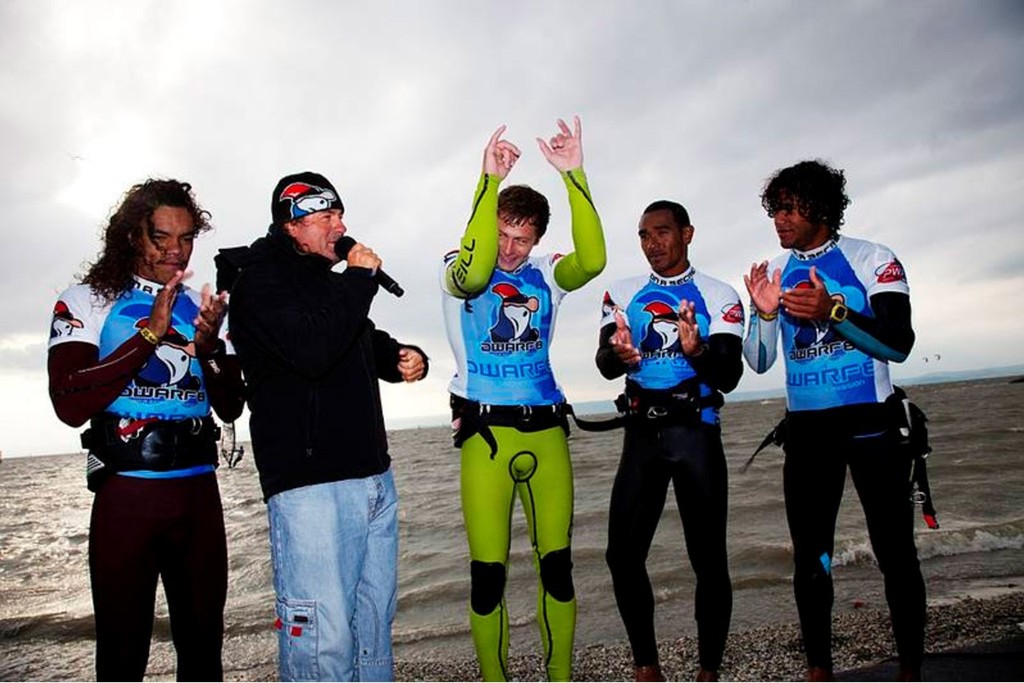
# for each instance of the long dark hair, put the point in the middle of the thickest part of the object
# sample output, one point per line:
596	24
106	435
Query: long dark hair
111	274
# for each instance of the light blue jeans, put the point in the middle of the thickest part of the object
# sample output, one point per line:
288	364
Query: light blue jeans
335	553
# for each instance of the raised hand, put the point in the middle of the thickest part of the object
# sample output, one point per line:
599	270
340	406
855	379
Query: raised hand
499	155
163	304
809	303
764	292
208	321
564	151
410	364
622	342
689	331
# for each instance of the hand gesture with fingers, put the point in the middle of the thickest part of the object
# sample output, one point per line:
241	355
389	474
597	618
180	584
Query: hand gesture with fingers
208	321
500	155
622	342
564	151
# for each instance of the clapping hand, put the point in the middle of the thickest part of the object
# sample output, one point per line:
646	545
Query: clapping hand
764	292
809	303
208	321
689	331
160	315
622	342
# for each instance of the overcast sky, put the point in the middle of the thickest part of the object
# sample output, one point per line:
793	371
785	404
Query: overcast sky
921	102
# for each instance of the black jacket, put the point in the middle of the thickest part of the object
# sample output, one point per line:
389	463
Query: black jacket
312	359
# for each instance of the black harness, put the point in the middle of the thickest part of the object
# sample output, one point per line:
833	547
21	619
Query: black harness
638	408
641	408
158	445
472	417
912	425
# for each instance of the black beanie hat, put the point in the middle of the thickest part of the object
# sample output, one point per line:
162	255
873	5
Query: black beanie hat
301	194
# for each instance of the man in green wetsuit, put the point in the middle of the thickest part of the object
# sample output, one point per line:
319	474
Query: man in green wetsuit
508	411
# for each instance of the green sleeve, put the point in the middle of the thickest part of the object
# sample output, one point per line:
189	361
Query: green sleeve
588	259
478	252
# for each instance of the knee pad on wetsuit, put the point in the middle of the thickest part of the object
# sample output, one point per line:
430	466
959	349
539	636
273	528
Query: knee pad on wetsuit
556	574
487	580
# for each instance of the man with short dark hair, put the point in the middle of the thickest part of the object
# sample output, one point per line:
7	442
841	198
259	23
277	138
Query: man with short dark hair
508	412
843	308
312	358
137	354
675	333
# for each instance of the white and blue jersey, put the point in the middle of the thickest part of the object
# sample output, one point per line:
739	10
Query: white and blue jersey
502	336
170	385
823	369
650	305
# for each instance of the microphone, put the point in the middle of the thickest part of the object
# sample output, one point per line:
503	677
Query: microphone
345	244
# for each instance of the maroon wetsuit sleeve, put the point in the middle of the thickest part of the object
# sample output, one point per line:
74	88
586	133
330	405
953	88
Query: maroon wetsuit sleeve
222	376
82	385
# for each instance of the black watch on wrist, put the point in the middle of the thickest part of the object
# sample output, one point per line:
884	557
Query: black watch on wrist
838	313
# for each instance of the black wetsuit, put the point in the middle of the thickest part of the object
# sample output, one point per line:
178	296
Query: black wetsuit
837	383
684	448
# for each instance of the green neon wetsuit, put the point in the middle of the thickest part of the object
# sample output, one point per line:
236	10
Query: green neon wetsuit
500	326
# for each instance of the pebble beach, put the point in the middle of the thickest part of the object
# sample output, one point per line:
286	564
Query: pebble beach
973	565
766	653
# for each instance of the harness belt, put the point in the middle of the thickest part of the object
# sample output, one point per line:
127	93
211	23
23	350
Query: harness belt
655	409
472	417
123	444
910	422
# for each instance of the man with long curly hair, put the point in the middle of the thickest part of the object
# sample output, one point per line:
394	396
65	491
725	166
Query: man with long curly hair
137	354
843	307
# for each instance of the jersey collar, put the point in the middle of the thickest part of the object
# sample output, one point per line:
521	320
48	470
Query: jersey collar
680	279
817	251
148	286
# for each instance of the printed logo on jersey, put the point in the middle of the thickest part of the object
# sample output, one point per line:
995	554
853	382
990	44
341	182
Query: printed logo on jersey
661	332
732	313
816	338
811	333
513	328
306	199
607	306
891	272
64	322
171	363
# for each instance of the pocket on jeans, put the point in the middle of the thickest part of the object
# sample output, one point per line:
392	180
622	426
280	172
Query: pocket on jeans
297	639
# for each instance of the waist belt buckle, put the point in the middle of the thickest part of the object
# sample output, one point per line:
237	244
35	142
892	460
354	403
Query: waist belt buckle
654	412
527	413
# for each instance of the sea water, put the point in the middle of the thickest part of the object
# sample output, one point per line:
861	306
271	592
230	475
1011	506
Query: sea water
977	480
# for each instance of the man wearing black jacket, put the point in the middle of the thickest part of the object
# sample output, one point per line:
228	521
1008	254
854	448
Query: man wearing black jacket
677	335
312	359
